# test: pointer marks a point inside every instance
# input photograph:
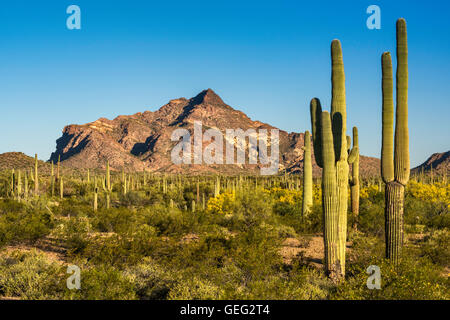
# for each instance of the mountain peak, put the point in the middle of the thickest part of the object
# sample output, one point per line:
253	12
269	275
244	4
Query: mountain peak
207	96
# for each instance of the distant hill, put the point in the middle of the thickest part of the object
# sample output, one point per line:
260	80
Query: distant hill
439	161
20	161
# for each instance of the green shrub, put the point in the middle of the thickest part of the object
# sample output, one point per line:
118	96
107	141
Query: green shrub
30	275
103	283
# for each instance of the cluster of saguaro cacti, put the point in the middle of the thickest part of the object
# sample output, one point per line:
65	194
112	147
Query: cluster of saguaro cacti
354	180
331	153
307	176
395	158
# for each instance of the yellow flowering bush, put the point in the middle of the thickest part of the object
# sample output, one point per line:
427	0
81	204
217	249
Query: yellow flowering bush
437	192
284	195
368	192
222	204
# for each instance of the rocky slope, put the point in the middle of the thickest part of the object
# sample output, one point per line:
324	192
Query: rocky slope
143	141
439	161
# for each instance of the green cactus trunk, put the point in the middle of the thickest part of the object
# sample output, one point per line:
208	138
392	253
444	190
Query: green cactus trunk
19	185
58	167
25	183
108	200
331	153
354	181
61	188
307	176
395	158
36	178
108	177
95	198
217	187
339	123
329	200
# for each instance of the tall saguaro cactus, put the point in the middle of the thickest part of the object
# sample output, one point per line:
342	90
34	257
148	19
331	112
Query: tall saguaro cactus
395	164
331	153
307	176
108	177
354	181
36	179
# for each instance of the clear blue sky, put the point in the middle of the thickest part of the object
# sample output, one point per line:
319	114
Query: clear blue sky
266	58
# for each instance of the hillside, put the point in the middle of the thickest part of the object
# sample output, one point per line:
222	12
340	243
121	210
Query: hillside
142	141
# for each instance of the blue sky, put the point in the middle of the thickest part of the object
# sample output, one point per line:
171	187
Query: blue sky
266	58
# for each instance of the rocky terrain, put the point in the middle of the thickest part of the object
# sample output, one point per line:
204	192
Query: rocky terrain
440	162
142	141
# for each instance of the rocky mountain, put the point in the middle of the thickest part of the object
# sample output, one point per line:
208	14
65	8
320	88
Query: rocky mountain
439	161
142	141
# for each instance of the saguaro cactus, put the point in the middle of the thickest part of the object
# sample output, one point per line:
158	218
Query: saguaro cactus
36	178
331	153
58	165
307	176
395	163
19	185
61	188
108	177
95	197
354	181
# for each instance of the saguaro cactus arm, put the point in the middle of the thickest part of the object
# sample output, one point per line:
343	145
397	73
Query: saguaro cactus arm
401	153
338	105
316	113
307	175
387	148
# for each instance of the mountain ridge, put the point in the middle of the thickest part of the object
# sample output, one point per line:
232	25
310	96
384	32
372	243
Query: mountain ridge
141	141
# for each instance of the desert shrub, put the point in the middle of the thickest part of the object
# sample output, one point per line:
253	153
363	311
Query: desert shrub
150	280
114	220
133	199
414	279
256	252
71	207
75	234
195	289
250	210
24	223
286	208
303	285
103	282
436	247
169	220
120	249
30	275
371	218
221	204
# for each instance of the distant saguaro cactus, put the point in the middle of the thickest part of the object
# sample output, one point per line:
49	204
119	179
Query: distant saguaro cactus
36	177
108	177
395	166
58	165
95	197
307	176
331	153
61	188
354	181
